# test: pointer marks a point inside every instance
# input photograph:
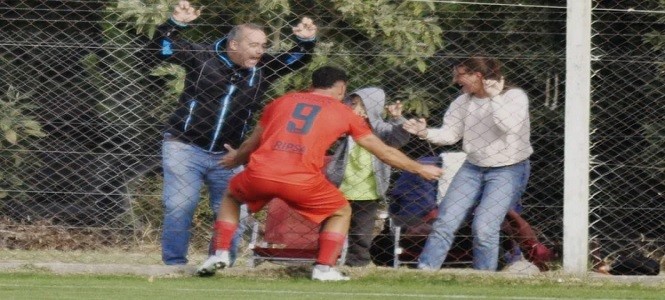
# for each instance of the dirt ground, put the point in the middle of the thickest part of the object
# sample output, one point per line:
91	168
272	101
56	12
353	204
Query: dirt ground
43	234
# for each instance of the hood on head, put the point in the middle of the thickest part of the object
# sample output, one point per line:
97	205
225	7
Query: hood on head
374	100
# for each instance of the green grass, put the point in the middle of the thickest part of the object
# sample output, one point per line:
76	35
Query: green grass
139	256
293	283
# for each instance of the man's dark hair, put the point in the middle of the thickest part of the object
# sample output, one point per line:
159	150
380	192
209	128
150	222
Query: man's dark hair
326	76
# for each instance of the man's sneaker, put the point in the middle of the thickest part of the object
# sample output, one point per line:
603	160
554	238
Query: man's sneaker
327	273
215	262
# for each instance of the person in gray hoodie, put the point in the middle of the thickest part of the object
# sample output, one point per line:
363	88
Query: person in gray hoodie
361	176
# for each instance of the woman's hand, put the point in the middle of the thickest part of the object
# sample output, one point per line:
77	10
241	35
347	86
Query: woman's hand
493	87
417	127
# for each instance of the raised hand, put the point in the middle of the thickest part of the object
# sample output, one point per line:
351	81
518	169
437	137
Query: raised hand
395	109
184	12
306	29
493	87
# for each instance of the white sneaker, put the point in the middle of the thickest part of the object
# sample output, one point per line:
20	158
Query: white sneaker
215	262
327	273
426	268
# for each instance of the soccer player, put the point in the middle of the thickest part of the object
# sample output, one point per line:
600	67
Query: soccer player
287	150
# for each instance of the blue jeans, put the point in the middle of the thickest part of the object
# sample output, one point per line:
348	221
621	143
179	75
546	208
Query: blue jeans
186	168
495	190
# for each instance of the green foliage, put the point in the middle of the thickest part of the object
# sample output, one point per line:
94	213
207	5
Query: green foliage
654	155
296	81
175	84
115	79
14	124
324	55
417	102
274	9
408	32
16	128
656	38
143	15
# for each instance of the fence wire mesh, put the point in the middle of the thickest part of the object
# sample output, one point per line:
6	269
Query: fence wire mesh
85	102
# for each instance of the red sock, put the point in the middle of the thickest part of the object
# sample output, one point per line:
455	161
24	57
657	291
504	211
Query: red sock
330	246
224	232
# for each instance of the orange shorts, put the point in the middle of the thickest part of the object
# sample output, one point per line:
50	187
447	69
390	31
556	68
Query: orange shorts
315	201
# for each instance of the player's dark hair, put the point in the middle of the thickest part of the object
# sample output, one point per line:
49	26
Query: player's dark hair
327	76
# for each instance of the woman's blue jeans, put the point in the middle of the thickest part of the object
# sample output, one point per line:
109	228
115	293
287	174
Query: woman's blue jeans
494	190
186	168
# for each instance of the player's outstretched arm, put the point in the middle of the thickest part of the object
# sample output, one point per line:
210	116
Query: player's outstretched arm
397	159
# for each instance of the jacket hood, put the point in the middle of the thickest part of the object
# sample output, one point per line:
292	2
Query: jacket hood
374	100
220	50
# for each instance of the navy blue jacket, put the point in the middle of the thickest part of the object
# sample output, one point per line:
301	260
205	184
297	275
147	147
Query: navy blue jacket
220	98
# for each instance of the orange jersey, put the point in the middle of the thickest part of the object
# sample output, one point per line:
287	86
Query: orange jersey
298	130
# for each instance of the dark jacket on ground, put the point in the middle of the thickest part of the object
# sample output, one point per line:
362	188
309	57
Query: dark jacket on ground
220	98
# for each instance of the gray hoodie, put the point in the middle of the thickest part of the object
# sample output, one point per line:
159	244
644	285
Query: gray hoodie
390	131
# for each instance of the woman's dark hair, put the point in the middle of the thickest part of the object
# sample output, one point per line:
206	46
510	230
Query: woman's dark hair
327	76
490	68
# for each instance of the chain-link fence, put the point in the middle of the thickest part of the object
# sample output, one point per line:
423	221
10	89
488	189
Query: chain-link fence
626	205
85	100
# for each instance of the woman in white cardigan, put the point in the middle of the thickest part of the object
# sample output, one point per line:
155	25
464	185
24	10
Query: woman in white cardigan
493	124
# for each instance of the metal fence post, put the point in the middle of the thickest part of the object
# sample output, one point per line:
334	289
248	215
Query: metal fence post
576	149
